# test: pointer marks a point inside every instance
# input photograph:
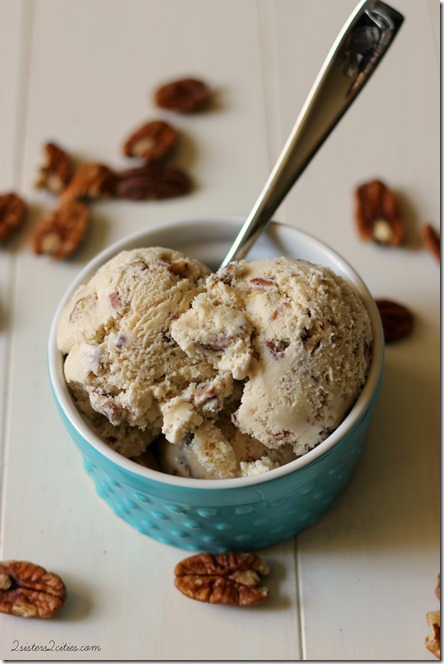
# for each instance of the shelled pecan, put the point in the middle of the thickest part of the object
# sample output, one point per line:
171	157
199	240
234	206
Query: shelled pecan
377	214
29	591
431	239
90	181
433	640
56	171
152	182
62	231
223	578
13	211
185	95
151	142
397	321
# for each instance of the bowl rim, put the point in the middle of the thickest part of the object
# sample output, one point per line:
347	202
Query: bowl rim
65	402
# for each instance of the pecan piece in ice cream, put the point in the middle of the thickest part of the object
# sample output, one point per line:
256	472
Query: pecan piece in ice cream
261	283
152	182
56	171
62	231
223	578
397	321
277	347
29	591
90	181
13	211
151	142
185	95
377	214
431	239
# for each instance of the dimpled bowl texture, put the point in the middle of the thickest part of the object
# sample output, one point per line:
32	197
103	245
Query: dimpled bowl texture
241	513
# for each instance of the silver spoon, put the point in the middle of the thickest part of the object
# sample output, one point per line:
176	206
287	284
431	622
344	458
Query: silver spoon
353	58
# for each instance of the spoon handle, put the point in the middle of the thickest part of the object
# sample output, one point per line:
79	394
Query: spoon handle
354	56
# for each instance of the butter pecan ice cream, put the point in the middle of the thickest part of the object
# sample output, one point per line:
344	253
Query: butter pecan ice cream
297	333
220	375
121	363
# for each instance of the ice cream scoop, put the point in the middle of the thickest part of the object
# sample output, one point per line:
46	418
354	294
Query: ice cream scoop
297	336
121	362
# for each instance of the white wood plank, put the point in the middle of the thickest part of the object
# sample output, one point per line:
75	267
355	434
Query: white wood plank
93	65
389	132
367	570
14	28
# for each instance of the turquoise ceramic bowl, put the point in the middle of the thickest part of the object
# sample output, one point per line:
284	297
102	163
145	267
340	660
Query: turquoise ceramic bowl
242	513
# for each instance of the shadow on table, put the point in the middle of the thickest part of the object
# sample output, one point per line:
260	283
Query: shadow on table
393	501
79	603
277	599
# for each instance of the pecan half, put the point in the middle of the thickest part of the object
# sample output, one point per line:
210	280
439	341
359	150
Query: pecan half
377	214
397	320
152	142
152	182
62	231
29	591
431	239
223	578
185	95
13	211
91	180
433	640
56	171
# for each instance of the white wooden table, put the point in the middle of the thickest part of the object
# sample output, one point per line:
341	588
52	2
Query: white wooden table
357	585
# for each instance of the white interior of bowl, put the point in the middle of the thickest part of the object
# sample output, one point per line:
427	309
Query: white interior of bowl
209	239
